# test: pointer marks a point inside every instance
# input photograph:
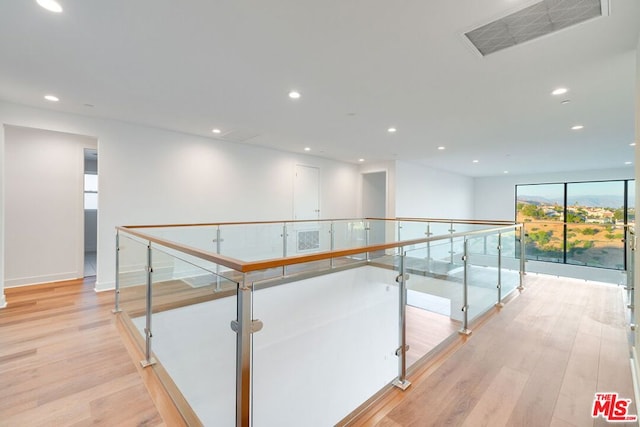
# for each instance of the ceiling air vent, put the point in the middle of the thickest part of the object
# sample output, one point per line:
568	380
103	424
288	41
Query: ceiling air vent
237	136
534	21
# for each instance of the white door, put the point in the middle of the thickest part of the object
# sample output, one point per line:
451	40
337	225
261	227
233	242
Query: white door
306	193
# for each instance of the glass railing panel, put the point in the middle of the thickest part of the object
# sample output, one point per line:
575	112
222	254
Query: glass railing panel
434	298
349	234
596	245
440	228
307	237
482	278
327	345
132	272
381	231
510	276
410	230
192	309
253	242
201	237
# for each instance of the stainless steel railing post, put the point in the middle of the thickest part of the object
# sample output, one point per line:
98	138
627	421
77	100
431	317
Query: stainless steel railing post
428	234
244	326
401	382
332	240
116	308
522	258
243	356
499	286
218	249
284	246
451	231
465	292
149	308
367	229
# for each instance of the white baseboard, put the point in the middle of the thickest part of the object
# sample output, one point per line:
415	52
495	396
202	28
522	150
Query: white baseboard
38	280
105	286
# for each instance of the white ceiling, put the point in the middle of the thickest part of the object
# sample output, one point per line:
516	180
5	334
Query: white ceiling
360	65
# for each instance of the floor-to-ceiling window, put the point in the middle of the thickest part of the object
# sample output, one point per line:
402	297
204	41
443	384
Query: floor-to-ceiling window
579	223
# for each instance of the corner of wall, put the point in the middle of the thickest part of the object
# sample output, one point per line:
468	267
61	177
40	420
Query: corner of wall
3	301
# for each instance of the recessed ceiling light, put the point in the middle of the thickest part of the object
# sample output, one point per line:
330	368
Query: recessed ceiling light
361	160
633	144
476	161
307	148
559	91
51	98
216	130
506	172
577	127
50	5
627	163
391	130
294	94
441	147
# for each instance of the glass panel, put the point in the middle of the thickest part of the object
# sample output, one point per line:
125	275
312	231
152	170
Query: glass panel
595	224
434	298
596	245
381	231
91	201
410	230
329	351
91	182
349	234
253	242
510	276
541	208
482	279
192	339
132	274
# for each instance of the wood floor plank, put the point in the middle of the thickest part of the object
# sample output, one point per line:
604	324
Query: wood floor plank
63	361
496	404
543	356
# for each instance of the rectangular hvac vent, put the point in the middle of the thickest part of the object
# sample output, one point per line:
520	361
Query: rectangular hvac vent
238	136
308	240
542	18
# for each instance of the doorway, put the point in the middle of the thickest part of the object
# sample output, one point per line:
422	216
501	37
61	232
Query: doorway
90	211
374	203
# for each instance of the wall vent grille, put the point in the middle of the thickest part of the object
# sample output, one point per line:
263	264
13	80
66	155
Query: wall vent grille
308	240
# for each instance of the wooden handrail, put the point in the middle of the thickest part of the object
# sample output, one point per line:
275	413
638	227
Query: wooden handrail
294	221
249	266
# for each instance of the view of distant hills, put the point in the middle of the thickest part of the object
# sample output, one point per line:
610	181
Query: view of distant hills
605	201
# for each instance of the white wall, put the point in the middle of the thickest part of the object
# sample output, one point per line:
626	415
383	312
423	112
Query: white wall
495	196
422	191
153	176
44	233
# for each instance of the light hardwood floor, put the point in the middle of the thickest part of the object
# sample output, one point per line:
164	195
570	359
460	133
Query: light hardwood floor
63	361
537	362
